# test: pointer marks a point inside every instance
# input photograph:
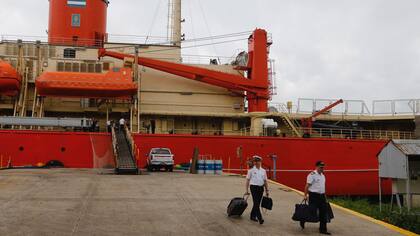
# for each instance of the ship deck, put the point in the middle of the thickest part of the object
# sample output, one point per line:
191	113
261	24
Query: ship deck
93	202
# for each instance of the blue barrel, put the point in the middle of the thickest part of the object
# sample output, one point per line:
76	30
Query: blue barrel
218	167
201	166
209	167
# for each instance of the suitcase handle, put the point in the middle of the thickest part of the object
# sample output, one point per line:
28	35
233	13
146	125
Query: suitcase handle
246	196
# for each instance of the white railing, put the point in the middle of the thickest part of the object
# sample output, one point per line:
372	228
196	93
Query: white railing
215	132
348	107
357	134
395	107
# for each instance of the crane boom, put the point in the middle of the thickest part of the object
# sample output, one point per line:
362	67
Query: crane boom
307	122
254	87
325	109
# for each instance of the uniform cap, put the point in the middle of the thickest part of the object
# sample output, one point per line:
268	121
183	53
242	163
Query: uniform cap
257	158
320	163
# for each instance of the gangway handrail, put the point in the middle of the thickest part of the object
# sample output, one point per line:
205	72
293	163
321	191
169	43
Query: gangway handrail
114	145
131	143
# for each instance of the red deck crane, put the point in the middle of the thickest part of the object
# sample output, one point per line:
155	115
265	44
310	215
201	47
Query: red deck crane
308	122
254	87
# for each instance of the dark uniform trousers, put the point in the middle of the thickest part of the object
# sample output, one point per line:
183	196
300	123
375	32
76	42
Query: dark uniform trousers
319	202
257	194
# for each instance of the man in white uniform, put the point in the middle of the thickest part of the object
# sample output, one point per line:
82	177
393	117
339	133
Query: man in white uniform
122	123
315	189
256	180
109	126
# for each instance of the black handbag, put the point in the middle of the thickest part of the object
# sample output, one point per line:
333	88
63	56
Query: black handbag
267	203
305	213
330	213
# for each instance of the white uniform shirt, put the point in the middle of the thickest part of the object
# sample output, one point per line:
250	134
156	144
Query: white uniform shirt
122	121
256	176
108	122
316	182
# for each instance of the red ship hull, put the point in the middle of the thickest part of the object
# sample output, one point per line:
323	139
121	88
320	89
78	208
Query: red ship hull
352	165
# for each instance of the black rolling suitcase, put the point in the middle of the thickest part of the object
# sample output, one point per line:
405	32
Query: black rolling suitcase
237	206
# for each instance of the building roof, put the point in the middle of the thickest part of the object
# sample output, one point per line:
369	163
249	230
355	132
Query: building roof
407	146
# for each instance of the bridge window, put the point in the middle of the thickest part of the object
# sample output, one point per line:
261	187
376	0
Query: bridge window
69	53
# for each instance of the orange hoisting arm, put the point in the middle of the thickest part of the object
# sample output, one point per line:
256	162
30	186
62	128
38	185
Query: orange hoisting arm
255	87
308	122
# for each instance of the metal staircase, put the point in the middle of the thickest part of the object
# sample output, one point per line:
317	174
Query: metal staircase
125	162
291	123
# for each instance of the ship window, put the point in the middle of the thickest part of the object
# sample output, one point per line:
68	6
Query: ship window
76	3
83	67
75	20
91	68
106	66
76	67
98	68
67	67
60	66
69	53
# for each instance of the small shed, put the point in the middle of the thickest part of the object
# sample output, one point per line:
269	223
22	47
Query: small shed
400	161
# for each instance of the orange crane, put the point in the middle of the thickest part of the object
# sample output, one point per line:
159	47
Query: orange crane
308	121
255	87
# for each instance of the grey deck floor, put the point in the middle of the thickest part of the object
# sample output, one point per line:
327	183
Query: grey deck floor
83	202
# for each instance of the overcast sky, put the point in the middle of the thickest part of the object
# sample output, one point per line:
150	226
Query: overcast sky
351	49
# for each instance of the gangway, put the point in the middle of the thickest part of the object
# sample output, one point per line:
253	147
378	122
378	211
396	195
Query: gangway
125	162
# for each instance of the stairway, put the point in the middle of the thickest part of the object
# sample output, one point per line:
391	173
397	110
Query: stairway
290	123
125	161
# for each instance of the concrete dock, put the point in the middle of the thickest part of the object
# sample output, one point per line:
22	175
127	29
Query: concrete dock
91	202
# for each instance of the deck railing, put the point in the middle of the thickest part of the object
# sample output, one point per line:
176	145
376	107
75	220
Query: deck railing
357	134
313	133
215	132
396	107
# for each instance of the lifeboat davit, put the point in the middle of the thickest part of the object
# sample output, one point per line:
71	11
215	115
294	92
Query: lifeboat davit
117	83
10	80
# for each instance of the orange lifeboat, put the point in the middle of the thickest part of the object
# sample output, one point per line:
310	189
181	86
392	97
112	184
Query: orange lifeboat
114	84
10	80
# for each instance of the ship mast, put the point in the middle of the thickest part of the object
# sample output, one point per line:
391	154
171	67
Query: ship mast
174	33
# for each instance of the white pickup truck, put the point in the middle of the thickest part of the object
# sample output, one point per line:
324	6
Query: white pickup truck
159	158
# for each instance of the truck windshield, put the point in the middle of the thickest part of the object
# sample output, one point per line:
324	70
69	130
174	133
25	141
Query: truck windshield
161	151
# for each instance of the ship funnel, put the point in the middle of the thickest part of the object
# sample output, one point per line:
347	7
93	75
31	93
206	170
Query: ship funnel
77	22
